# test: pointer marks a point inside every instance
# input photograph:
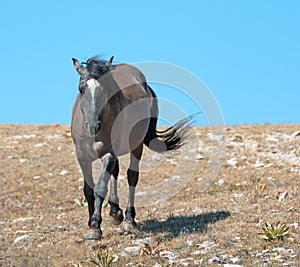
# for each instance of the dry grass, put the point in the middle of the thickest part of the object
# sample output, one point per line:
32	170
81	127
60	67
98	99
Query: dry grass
40	180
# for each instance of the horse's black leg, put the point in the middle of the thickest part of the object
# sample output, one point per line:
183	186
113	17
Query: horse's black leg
100	192
86	167
89	195
115	212
133	177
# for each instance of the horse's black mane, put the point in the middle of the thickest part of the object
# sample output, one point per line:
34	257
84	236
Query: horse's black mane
96	67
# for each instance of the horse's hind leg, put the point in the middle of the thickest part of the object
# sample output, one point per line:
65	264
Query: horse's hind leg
115	212
133	177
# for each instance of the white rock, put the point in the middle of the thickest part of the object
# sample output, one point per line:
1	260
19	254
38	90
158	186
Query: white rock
198	262
146	240
297	133
189	243
214	260
282	196
140	193
23	231
234	259
26	219
184	263
221	182
168	254
232	162
272	139
22	238
176	178
23	160
63	172
258	164
41	144
294	225
232	265
199	157
129	251
61	215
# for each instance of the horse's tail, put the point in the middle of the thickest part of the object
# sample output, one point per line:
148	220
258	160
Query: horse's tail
170	139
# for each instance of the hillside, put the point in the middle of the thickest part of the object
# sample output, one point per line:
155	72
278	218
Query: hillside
210	219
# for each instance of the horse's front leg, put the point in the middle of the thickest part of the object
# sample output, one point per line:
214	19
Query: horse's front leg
86	167
115	212
100	192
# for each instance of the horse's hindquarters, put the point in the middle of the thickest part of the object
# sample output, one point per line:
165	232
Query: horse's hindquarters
130	127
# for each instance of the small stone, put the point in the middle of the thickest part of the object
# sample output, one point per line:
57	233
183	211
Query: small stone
184	263
214	260
221	182
61	228
232	265
237	195
146	240
198	262
199	157
297	133
26	219
129	251
63	172
282	196
234	259
23	160
189	243
61	215
258	164
41	144
232	162
168	254
23	238
272	139
23	231
176	178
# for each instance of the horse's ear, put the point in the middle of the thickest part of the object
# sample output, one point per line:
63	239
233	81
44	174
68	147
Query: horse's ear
78	67
109	62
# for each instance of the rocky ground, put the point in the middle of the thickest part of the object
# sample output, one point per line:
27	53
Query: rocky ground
205	205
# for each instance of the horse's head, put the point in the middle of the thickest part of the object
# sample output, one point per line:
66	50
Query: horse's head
91	87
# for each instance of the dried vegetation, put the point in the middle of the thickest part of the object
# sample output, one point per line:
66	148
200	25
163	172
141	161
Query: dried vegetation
249	216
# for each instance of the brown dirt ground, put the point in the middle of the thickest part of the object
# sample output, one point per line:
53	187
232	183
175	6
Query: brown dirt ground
40	180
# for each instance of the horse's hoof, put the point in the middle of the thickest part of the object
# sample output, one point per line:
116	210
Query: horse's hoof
118	218
94	234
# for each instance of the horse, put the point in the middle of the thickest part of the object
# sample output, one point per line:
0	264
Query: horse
115	113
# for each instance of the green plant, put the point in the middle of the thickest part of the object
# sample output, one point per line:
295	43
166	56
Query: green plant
81	201
272	232
103	259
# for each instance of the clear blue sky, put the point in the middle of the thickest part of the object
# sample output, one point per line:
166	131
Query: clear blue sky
247	52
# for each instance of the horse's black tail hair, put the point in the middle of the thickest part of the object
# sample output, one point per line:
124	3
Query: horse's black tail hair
170	139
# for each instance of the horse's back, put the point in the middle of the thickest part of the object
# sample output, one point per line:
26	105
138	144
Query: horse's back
131	81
